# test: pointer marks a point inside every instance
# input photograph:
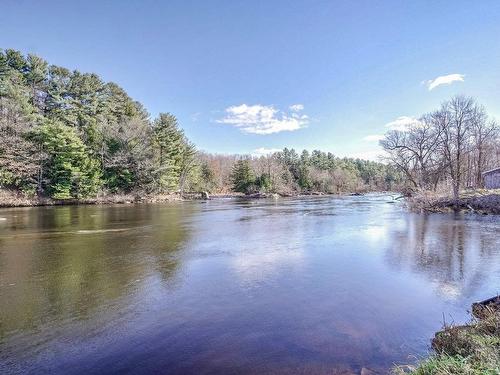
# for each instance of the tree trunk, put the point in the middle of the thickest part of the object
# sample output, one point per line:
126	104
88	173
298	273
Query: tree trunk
456	194
479	182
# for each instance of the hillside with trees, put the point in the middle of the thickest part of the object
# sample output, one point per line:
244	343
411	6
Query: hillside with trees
70	135
66	134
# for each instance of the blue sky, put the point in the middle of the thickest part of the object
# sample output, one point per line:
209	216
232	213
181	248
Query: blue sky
249	75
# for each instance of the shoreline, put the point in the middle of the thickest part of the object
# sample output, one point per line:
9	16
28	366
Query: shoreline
471	348
10	199
482	202
18	200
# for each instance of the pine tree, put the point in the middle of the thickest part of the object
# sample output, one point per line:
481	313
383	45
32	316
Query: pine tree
207	177
35	75
127	155
242	177
168	144
58	99
70	172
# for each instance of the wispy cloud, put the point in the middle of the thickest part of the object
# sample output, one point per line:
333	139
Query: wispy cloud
195	116
373	138
296	107
402	123
262	119
444	80
262	151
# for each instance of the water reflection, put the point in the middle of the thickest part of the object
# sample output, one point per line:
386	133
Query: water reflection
456	253
64	263
319	285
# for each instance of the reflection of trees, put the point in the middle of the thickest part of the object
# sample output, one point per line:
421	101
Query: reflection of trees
51	271
452	252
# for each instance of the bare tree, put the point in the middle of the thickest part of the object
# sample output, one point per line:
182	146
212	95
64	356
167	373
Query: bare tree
455	121
484	133
413	151
453	144
21	160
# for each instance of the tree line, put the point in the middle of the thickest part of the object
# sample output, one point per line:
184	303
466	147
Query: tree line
66	134
287	172
448	148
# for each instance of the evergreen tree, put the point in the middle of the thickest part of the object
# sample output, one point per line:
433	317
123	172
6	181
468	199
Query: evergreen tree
70	172
242	176
168	144
16	60
207	178
58	100
35	75
264	183
127	155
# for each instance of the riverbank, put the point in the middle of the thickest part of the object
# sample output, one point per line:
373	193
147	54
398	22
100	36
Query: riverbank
470	349
479	201
12	199
16	199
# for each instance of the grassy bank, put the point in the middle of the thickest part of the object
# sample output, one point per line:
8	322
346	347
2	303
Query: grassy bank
479	201
471	349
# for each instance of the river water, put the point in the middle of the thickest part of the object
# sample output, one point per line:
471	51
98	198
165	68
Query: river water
288	286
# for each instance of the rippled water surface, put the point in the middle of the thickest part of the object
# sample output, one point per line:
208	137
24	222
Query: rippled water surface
299	286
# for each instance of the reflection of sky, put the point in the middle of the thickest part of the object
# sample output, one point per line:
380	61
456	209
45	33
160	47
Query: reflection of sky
448	290
375	232
258	267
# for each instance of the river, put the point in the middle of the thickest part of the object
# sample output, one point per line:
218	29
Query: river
289	286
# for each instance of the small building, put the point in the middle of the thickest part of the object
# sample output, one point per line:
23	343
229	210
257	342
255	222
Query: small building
492	178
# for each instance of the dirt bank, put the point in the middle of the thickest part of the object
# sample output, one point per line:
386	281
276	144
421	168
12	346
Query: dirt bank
477	201
12	199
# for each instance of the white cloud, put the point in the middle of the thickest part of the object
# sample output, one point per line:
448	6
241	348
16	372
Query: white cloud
296	107
261	119
402	123
444	80
373	138
262	151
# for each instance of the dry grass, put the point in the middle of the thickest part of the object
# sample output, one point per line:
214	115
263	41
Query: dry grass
472	349
14	199
478	200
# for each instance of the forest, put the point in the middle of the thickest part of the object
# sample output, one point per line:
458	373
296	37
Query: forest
70	135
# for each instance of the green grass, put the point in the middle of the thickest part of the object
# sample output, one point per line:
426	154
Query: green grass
472	349
449	365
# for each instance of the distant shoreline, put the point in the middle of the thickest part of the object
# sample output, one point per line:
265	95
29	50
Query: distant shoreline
10	199
481	202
